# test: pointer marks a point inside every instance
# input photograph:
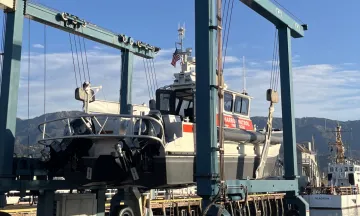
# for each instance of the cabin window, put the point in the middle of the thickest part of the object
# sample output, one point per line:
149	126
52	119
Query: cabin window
185	104
228	102
241	105
165	102
335	169
346	169
351	169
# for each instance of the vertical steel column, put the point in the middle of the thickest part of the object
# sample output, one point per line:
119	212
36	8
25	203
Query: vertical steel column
45	204
287	104
127	58
207	164
288	118
100	200
10	87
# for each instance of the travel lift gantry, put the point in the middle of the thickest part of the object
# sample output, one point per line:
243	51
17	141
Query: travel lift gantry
27	168
207	169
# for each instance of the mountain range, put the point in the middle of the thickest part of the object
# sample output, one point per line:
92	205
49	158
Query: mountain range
319	129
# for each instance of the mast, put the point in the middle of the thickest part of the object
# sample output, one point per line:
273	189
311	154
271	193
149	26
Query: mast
340	150
244	76
221	94
181	34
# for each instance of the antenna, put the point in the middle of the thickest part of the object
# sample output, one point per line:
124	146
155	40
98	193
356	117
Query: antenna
181	33
313	142
244	74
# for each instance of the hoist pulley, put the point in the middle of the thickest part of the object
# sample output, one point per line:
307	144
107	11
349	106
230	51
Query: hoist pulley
272	96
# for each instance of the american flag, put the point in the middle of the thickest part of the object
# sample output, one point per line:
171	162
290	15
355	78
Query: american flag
176	57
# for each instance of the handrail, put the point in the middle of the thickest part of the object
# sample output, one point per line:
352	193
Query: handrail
334	190
43	141
42	127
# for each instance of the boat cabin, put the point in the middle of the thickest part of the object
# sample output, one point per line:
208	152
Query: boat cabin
342	175
181	102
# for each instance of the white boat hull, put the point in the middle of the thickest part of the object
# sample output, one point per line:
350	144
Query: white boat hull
329	201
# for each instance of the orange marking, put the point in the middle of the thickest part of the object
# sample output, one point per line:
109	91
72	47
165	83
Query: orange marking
230	122
188	128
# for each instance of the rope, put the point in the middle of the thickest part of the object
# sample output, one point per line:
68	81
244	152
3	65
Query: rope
72	54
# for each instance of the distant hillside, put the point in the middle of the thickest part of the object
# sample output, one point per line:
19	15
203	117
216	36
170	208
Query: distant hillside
305	129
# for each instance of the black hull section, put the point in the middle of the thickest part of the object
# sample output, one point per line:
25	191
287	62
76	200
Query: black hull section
172	171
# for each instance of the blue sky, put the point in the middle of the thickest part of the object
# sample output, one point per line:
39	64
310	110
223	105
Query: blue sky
325	61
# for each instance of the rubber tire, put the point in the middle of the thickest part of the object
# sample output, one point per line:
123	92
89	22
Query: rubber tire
127	211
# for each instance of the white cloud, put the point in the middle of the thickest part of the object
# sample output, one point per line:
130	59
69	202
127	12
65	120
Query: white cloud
230	59
98	48
320	90
40	46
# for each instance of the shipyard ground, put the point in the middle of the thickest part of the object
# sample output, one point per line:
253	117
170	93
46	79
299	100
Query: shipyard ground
257	204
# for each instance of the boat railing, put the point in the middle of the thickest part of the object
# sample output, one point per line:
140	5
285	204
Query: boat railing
334	190
122	126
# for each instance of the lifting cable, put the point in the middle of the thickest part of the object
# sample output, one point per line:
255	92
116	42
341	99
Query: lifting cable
153	65
86	59
147	80
72	54
82	59
275	70
151	80
227	28
45	45
82	47
28	92
151	71
78	62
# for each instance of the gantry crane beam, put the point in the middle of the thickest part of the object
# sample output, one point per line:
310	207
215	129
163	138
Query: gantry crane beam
207	170
73	24
10	85
274	14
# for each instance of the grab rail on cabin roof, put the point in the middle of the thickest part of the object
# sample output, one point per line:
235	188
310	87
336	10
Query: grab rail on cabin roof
129	129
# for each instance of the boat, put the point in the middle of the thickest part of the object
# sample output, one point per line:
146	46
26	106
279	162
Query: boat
342	190
154	146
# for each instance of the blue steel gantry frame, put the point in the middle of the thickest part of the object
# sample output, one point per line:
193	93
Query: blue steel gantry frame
10	83
206	94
